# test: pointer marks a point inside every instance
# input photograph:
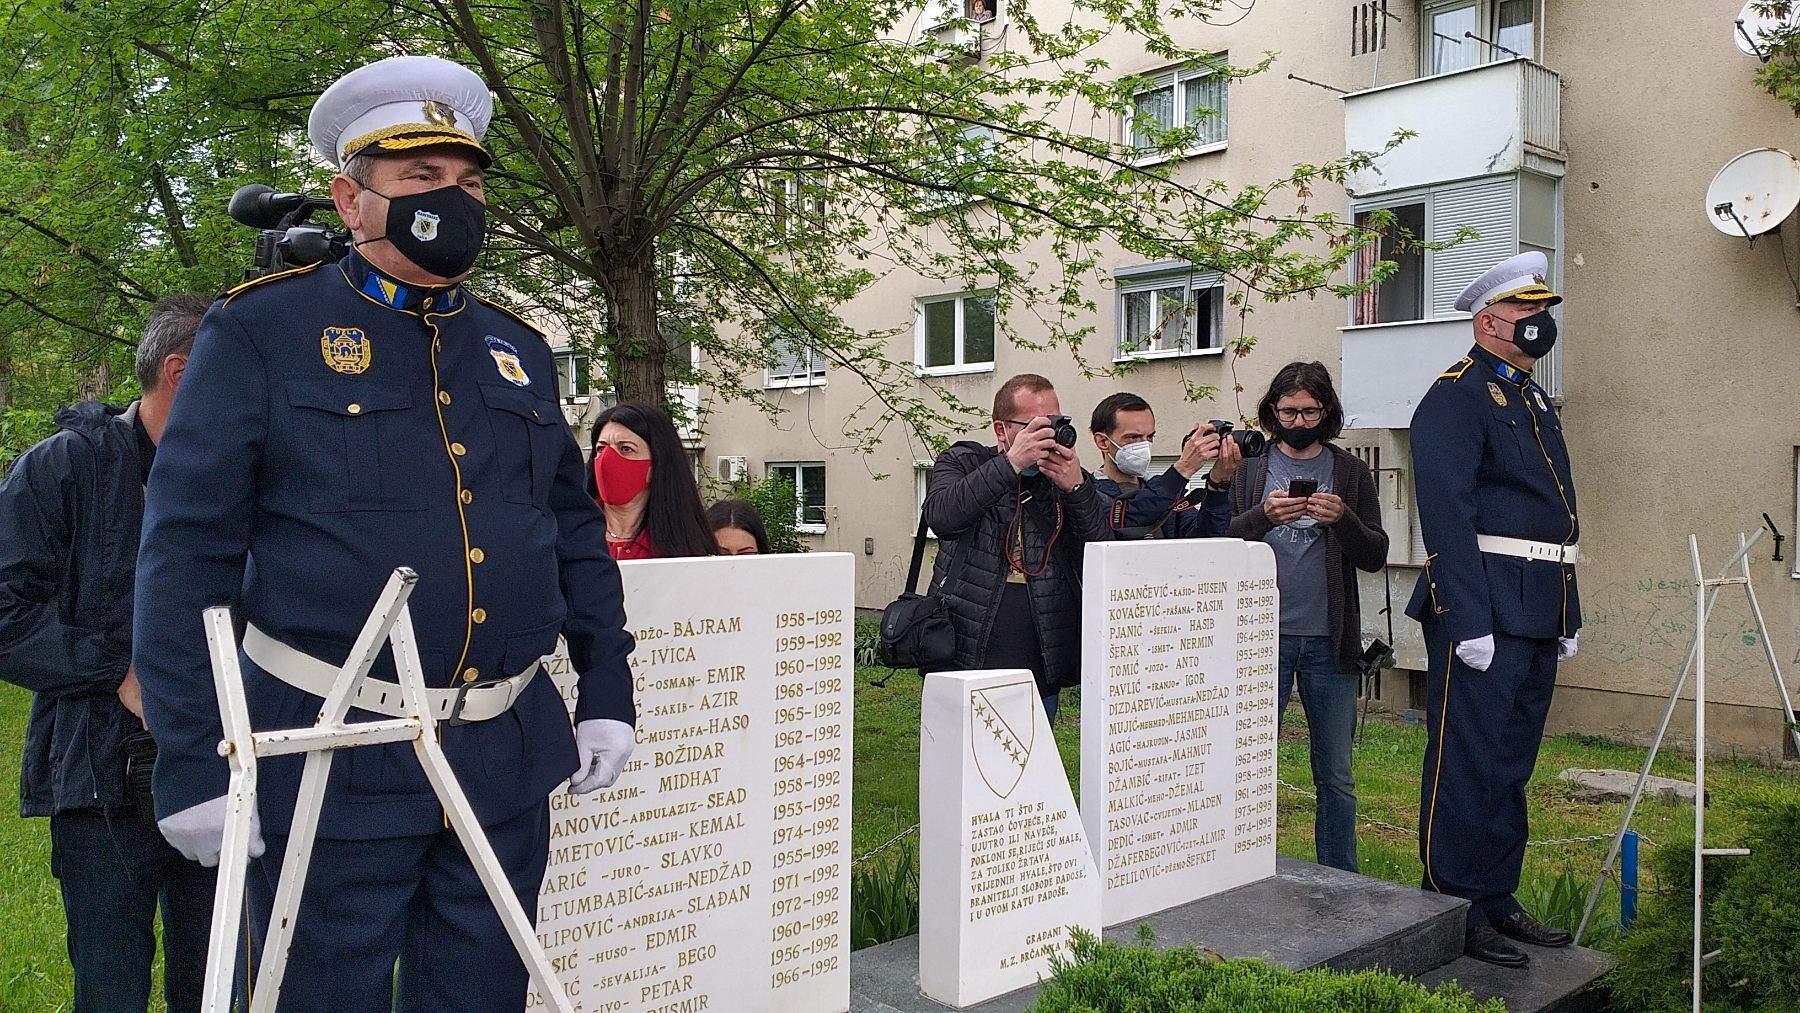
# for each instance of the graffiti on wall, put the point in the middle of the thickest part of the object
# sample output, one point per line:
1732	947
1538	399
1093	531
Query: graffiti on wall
1647	625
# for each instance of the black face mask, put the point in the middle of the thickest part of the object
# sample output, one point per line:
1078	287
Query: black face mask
1536	334
1299	439
439	230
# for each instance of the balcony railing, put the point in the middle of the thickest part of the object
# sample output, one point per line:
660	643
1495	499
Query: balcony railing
1495	118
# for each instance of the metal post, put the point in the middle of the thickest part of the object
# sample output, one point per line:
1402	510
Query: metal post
1628	882
1699	758
1762	630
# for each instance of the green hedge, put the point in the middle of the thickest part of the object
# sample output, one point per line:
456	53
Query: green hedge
1752	917
1108	978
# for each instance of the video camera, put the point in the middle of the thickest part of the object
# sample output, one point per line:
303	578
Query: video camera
286	239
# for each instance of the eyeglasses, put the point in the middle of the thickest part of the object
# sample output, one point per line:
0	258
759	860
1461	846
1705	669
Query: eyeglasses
1290	414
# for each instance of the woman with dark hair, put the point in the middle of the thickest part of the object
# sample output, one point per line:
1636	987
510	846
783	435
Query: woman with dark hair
738	528
1317	507
642	481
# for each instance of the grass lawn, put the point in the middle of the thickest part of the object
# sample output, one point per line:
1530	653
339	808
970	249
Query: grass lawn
34	971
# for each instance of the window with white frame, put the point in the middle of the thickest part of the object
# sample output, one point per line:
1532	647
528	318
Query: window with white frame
1505	214
800	204
1166	313
956	178
808	479
1194	97
954	333
1457	34
921	486
573	380
794	364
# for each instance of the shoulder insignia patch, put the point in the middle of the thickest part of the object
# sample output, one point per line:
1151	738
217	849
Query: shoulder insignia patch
1455	372
265	279
1496	393
490	304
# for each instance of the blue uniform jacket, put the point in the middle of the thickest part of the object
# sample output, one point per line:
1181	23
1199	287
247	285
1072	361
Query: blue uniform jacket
332	425
1489	458
1150	504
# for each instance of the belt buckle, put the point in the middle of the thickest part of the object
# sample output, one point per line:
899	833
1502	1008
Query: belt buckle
462	697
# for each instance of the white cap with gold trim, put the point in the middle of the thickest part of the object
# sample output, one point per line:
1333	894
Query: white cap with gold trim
1521	277
400	104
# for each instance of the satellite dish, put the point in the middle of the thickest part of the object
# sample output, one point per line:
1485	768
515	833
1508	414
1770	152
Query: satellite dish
1754	192
1751	28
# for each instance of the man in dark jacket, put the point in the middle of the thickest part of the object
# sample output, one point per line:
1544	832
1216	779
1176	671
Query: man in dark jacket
1012	521
70	512
1140	503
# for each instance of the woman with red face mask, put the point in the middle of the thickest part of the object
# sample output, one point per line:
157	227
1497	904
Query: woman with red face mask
644	485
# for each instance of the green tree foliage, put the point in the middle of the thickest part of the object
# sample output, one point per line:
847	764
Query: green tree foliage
779	506
719	174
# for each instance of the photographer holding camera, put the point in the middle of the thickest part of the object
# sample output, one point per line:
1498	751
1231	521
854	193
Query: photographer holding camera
1317	507
1139	505
70	512
1012	521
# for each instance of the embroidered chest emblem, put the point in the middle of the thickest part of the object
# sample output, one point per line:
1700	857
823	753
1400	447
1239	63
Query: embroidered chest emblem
506	359
425	226
346	349
1496	393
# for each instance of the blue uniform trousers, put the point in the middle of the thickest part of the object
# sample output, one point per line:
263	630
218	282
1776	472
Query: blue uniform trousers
1484	731
415	900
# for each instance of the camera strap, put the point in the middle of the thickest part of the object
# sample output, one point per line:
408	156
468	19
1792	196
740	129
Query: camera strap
918	556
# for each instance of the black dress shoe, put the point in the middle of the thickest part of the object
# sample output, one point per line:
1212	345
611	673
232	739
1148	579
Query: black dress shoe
1486	945
1527	929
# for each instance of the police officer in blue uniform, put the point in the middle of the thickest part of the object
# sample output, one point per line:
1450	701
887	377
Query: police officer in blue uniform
338	421
1497	600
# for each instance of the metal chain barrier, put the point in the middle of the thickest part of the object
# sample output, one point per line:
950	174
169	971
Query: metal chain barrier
1384	825
884	845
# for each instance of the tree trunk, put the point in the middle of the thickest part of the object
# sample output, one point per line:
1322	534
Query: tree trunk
639	353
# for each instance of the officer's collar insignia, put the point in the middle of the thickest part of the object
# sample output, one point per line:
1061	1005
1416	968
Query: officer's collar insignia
346	349
1496	393
506	358
1508	371
397	295
1543	407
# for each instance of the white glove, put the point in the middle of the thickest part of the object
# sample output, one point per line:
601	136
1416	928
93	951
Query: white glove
1567	646
1477	654
604	745
198	831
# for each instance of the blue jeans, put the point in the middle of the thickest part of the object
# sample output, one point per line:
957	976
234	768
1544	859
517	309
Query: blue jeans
1329	697
115	870
1052	703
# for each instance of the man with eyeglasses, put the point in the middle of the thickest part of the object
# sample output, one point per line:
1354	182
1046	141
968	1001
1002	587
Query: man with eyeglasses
1013	521
1497	600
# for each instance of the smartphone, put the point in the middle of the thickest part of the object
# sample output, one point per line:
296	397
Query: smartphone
1303	487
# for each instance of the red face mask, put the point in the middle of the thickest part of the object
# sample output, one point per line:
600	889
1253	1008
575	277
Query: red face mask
619	478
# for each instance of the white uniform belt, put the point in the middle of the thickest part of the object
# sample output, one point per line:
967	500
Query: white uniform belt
471	702
1526	549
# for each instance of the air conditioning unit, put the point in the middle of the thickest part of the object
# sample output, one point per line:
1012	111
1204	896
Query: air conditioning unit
733	469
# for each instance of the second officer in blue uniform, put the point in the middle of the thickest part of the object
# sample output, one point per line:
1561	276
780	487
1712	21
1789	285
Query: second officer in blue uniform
1497	600
339	421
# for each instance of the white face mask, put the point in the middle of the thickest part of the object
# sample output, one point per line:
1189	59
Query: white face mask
1133	458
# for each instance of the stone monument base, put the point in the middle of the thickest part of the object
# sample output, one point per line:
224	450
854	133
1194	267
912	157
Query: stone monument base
1307	916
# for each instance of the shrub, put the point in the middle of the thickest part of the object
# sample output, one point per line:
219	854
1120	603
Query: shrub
868	639
1752	918
884	899
1099	977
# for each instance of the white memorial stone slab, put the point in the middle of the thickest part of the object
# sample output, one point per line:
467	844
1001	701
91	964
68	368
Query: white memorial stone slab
1004	869
1179	642
715	875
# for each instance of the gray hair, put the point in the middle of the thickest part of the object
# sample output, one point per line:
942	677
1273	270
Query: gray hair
169	331
360	167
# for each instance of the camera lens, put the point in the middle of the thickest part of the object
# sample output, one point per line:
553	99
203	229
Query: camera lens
1064	431
1250	442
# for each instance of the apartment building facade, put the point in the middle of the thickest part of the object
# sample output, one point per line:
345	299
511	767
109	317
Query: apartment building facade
1588	130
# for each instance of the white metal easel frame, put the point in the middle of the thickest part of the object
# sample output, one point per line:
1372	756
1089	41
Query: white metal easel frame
1706	593
389	623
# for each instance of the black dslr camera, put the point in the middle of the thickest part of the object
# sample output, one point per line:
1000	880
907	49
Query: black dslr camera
1064	430
285	238
1250	442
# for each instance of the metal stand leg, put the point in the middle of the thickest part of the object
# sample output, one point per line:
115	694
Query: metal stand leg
389	623
1699	756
